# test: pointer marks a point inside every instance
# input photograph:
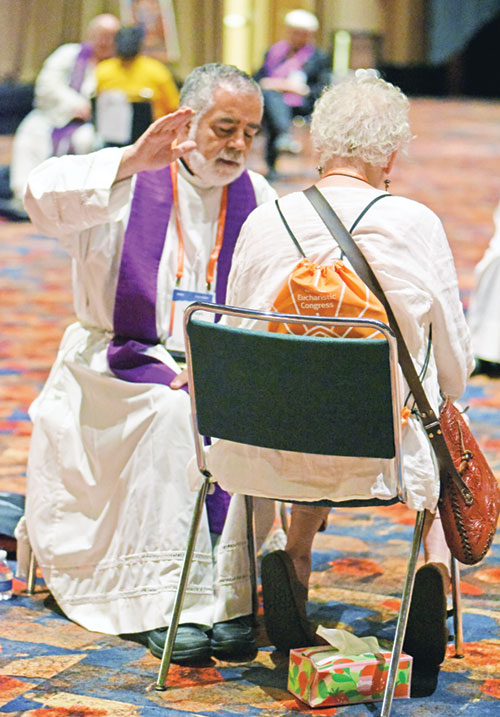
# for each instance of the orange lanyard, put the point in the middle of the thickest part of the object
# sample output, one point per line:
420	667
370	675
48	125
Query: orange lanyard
214	256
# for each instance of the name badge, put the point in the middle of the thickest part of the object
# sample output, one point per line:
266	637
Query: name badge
180	301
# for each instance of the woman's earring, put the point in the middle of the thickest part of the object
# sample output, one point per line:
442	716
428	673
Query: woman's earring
319	169
386	183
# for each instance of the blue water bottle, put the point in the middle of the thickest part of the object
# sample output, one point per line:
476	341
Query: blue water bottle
5	577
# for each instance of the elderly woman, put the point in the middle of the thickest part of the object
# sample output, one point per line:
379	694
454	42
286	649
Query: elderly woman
358	127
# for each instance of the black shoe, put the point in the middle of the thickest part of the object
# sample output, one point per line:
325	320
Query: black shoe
191	643
487	368
13	209
285	601
426	632
233	638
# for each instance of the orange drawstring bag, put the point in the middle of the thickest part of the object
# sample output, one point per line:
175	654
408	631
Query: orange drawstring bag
332	290
326	290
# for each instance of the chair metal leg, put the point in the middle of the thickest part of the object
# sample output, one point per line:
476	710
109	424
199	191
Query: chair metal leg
181	588
457	609
252	553
30	582
403	615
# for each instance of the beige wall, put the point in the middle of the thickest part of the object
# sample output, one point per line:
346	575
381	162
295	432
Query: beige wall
355	15
31	29
399	25
404	25
199	25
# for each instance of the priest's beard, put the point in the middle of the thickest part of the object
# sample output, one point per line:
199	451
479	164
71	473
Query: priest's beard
215	172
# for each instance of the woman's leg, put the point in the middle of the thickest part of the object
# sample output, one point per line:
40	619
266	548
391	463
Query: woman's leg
304	524
435	547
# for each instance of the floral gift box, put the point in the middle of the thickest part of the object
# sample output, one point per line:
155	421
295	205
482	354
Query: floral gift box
321	676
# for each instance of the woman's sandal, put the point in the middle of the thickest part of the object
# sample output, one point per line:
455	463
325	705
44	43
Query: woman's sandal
285	601
426	634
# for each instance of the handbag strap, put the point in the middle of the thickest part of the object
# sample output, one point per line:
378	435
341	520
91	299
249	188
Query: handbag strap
429	419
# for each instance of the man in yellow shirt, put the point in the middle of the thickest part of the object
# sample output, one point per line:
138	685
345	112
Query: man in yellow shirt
142	79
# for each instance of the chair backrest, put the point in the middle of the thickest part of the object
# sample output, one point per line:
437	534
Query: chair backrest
326	396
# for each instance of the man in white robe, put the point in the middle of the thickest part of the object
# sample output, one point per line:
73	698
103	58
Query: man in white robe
63	91
108	503
483	315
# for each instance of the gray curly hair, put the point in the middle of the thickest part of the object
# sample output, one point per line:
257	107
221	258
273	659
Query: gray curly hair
199	86
362	117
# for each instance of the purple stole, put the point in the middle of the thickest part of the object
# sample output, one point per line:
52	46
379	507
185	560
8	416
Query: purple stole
62	135
134	319
277	64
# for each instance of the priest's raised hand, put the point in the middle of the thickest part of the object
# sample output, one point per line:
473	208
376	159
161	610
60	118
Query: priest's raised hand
158	146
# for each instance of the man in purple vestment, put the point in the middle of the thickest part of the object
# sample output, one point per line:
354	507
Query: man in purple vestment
292	76
148	227
61	119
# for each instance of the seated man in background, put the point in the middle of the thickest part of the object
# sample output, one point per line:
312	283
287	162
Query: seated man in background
61	123
108	502
141	79
292	76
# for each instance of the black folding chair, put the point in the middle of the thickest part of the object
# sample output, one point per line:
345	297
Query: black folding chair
296	393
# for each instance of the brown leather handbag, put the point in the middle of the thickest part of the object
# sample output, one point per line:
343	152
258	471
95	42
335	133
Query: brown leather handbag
469	529
469	502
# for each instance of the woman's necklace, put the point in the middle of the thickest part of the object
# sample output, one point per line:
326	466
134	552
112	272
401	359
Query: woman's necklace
346	172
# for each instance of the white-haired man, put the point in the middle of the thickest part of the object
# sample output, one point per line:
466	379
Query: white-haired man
60	121
292	76
108	505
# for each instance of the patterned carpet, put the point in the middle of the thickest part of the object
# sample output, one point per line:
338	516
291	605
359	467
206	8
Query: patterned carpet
50	667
